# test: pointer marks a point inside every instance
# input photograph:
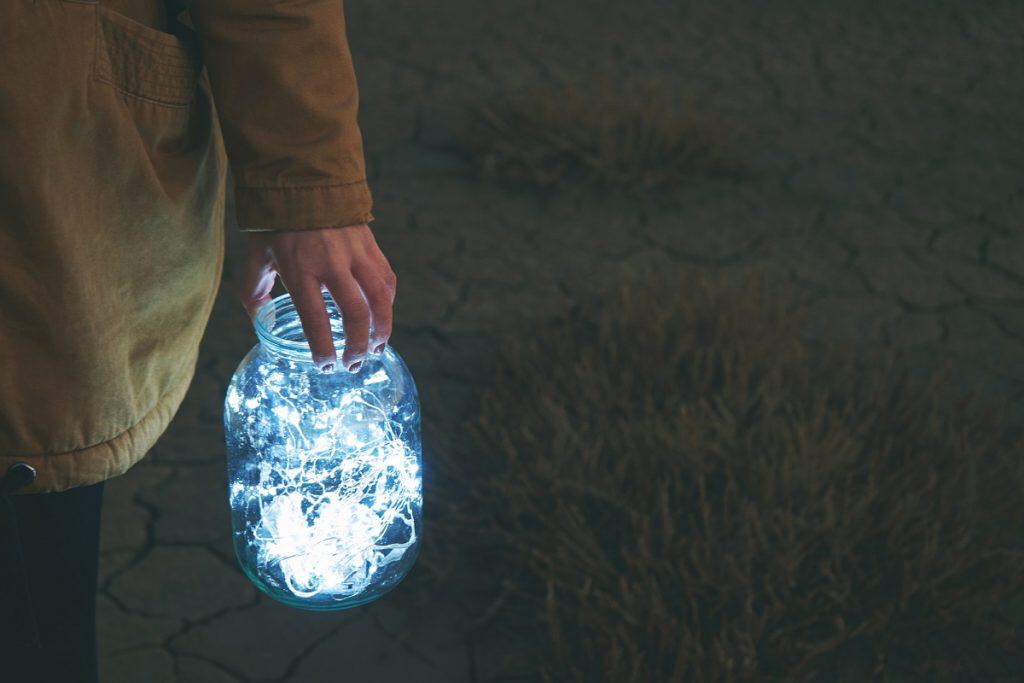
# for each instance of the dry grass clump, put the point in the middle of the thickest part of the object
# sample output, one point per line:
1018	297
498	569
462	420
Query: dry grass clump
677	489
626	140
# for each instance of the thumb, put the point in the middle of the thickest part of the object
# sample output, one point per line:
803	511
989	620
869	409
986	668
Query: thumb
259	276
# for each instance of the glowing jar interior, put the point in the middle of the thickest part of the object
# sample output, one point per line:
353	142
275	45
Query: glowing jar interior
323	469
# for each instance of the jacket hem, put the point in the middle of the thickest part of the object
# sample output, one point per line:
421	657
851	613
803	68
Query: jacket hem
102	461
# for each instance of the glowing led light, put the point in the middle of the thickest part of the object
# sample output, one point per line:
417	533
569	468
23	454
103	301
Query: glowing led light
324	472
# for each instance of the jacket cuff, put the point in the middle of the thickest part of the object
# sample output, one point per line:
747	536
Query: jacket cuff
303	208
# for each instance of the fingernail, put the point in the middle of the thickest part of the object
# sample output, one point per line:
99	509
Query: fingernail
327	368
380	347
355	366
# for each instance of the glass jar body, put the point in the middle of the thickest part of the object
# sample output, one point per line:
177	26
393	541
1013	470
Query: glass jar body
324	476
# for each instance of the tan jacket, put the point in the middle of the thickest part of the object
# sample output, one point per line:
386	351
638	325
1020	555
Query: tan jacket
112	174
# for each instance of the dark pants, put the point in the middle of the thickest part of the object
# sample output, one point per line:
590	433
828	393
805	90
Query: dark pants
48	588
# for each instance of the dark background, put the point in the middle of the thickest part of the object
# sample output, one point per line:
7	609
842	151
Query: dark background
881	181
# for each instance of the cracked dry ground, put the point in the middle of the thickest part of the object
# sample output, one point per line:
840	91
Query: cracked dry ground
883	184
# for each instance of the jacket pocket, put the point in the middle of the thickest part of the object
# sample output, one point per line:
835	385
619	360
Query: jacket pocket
145	63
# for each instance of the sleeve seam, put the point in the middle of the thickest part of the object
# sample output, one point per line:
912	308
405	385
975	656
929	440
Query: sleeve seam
278	188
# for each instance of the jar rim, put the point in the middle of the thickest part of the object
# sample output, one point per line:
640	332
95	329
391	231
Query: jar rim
280	313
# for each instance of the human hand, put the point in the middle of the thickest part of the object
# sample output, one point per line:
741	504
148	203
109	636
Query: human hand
348	262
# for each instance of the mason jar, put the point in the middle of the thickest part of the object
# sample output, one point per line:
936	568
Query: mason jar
324	469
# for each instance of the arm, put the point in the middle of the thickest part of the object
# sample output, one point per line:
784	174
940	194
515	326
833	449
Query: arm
286	96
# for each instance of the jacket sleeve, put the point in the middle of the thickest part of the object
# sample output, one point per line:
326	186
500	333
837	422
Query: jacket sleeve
286	95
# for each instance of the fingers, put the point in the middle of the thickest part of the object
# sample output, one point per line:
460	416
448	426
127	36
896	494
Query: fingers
309	304
355	315
259	276
378	287
349	263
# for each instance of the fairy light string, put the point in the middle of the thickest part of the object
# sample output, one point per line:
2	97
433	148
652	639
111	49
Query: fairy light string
338	489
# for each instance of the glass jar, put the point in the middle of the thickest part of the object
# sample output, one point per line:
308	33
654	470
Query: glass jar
323	469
